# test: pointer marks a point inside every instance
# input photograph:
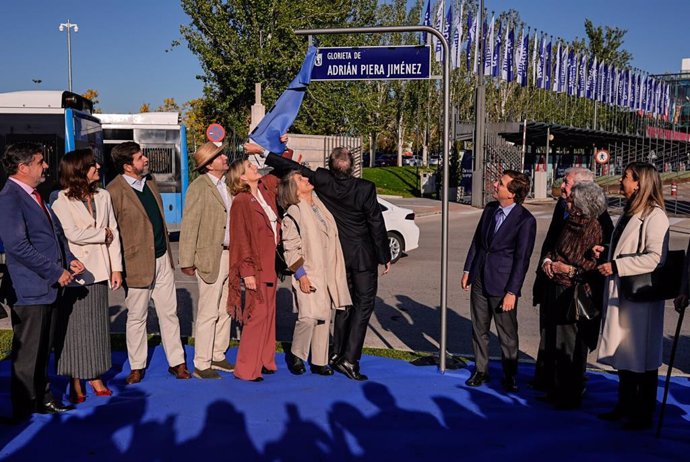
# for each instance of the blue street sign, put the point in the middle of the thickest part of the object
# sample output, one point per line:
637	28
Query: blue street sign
372	63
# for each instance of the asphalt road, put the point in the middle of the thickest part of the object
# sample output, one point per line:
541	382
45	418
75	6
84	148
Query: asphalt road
407	307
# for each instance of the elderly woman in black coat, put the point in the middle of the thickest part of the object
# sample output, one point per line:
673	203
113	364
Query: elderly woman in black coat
570	265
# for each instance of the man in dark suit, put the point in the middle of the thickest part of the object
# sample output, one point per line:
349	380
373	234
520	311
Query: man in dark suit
364	240
572	176
495	269
36	252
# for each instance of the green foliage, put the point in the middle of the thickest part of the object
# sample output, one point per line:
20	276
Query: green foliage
395	181
240	43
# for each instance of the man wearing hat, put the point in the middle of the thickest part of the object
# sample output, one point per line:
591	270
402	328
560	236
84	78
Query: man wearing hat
204	241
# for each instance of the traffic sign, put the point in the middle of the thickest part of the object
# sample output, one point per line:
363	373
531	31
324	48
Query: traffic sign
215	133
372	63
601	156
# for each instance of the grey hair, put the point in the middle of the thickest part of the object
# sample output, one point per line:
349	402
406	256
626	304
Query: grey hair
589	199
580	174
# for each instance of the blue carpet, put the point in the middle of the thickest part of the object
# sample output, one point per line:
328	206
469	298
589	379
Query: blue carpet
403	413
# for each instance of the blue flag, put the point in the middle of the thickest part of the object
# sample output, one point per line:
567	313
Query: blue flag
572	73
541	63
281	116
522	60
496	54
507	65
547	67
427	20
470	38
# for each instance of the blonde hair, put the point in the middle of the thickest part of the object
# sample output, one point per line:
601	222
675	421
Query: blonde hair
649	193
287	190
235	182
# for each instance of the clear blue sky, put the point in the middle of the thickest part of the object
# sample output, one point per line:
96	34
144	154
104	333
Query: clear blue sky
120	47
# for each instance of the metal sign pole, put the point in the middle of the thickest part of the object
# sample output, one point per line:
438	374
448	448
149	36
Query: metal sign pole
446	105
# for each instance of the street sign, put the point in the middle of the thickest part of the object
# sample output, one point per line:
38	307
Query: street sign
601	156
372	63
215	133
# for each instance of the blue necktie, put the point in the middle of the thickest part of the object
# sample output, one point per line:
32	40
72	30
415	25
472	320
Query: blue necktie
499	218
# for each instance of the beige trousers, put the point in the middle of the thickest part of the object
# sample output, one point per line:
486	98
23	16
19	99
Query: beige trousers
212	326
162	291
311	333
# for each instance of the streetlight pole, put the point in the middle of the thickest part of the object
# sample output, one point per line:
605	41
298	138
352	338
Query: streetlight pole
68	25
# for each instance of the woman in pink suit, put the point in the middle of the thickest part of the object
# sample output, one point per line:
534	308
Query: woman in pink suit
254	232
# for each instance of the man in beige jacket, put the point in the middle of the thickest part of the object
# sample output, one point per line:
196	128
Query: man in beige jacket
204	243
148	264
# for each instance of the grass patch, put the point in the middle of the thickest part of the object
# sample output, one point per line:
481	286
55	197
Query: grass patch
117	342
395	181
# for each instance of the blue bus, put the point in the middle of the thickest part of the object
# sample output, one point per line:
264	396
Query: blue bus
60	121
164	141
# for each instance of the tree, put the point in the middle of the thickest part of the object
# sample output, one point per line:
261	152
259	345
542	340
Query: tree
169	105
605	43
92	95
145	107
240	43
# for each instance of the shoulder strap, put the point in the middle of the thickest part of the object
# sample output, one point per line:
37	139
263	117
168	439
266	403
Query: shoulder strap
287	215
639	239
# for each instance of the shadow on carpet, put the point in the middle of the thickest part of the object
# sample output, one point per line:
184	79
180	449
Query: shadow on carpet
403	413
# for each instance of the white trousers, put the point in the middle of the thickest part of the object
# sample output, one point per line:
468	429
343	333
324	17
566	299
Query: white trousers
162	291
212	326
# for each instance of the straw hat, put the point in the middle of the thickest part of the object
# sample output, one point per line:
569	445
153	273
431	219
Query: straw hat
206	153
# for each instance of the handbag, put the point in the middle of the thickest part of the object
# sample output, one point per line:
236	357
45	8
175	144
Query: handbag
582	306
661	284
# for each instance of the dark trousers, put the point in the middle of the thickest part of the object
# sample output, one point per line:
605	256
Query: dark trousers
350	325
33	327
637	394
483	308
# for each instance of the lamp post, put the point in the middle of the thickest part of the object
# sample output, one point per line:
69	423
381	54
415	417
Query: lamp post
68	25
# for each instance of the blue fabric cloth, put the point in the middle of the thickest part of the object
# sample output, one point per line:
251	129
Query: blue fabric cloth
300	272
281	116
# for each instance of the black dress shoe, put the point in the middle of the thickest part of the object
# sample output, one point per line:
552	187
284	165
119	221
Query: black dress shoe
510	384
321	370
350	370
267	371
296	365
335	357
477	379
53	407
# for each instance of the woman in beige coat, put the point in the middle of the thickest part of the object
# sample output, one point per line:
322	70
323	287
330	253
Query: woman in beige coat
313	252
86	214
632	333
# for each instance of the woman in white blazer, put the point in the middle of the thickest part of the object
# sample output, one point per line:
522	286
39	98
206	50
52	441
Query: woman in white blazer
313	252
86	214
632	332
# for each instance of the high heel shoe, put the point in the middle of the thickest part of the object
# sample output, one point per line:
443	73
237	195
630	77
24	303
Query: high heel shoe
74	397
106	392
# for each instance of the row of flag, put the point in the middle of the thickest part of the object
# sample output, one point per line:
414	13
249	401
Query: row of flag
555	67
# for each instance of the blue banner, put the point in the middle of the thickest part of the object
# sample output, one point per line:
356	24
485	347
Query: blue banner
572	73
372	63
470	39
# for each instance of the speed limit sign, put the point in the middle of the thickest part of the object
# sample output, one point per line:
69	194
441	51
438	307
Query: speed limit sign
601	156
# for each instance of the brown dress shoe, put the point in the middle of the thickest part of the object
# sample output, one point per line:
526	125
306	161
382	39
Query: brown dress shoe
180	371
135	376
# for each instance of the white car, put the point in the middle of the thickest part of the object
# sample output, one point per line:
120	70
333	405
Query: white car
403	232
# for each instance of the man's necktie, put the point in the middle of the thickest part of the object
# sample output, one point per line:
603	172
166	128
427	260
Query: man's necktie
42	204
498	219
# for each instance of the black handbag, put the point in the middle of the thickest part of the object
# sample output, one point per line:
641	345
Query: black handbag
582	306
661	284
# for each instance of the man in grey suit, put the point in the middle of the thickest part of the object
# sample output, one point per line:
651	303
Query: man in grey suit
204	244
